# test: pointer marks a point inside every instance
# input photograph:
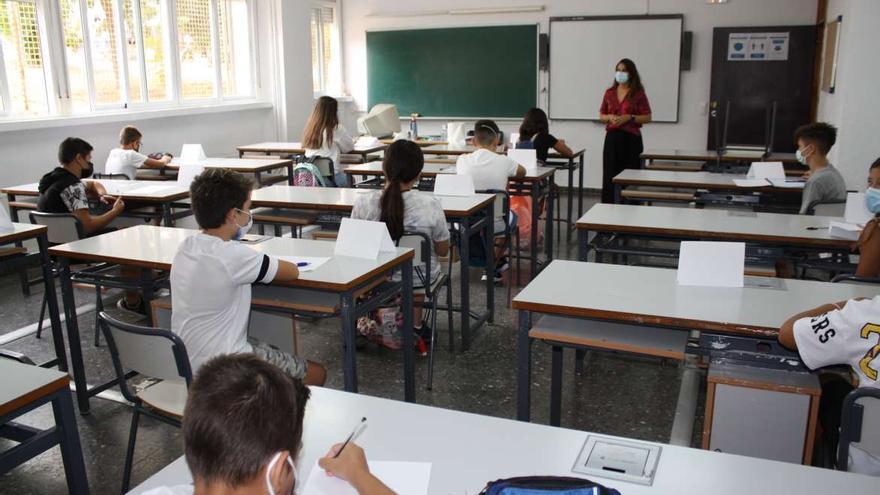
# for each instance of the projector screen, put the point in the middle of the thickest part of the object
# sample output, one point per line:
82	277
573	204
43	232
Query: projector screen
583	51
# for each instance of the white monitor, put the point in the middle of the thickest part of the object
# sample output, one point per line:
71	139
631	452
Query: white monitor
382	121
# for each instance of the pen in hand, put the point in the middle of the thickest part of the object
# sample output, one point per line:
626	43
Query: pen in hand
355	430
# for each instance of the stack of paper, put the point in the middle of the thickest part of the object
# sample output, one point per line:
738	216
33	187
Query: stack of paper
751	182
788	183
843	230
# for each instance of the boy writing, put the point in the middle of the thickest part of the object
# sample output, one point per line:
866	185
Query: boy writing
211	277
126	159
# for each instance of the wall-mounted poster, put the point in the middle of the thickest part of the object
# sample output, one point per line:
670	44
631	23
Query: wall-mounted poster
757	46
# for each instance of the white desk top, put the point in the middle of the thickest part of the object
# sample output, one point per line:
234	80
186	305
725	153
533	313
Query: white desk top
697	180
432	169
468	450
652	296
20	231
342	199
244	165
297	148
154	247
140	190
707	155
725	225
26	383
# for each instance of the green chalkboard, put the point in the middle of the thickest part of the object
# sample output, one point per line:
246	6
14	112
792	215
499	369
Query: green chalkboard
455	72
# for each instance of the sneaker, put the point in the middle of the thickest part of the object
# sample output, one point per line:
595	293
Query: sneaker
498	278
425	333
503	265
138	309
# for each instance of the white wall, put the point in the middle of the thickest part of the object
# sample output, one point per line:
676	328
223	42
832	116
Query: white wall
854	105
283	82
689	132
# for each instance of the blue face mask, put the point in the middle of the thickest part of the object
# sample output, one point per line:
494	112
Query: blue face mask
872	200
243	229
801	158
621	77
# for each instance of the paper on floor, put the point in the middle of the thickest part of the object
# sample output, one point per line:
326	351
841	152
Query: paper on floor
410	478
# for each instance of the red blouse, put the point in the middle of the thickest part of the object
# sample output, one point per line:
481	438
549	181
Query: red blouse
636	104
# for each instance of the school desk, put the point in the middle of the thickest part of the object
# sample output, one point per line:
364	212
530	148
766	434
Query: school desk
165	197
644	302
787	233
468	450
469	212
705	155
255	166
153	248
25	388
293	148
536	184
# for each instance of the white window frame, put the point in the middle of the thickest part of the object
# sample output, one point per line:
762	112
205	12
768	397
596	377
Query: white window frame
55	63
336	41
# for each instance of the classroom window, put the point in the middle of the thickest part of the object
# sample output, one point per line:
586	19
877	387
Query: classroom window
22	66
326	72
146	48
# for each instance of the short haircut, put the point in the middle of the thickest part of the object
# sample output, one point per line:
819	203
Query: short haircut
821	134
71	147
485	132
129	134
240	411
216	191
876	164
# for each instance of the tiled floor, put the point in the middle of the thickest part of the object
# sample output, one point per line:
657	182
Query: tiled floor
618	394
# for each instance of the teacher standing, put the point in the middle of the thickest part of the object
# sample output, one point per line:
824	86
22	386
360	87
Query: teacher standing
624	109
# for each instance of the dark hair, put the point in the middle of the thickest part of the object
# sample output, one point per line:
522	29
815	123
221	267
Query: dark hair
403	162
534	122
822	134
485	132
129	134
240	411
216	191
635	80
876	164
324	118
71	147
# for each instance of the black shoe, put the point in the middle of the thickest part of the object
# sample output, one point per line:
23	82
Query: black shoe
425	333
503	265
138	309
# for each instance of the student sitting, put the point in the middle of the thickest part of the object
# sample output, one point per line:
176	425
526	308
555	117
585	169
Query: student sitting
868	244
127	158
325	137
844	333
243	429
403	209
63	191
534	133
824	182
211	277
490	170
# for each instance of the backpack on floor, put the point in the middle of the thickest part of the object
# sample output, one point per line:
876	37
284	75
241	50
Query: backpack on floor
306	174
546	485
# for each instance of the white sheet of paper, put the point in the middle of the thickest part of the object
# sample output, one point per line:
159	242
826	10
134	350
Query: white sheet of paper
788	183
314	262
856	211
366	142
750	182
711	264
192	153
147	190
766	170
454	185
118	187
527	158
5	220
514	138
843	230
410	478
362	239
187	173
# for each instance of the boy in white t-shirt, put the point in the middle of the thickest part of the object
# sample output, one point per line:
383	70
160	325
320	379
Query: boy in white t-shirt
127	159
212	273
844	333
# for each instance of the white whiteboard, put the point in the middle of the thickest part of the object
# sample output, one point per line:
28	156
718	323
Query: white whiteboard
583	53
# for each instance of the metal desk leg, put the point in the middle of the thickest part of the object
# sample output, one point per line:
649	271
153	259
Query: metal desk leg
489	229
548	235
617	196
556	385
290	174
52	302
148	291
409	360
167	214
524	367
464	262
71	452
583	248
570	204
258	179
533	266
349	327
580	186
76	359
13	211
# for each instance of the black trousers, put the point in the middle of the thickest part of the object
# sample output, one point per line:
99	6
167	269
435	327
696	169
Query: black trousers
622	150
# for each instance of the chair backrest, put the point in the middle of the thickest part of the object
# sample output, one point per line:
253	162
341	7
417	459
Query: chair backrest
62	227
502	204
324	165
827	208
859	425
421	244
152	352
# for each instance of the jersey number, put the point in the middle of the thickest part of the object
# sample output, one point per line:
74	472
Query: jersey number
865	362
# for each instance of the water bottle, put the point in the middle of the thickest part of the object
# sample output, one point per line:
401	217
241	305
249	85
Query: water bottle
413	127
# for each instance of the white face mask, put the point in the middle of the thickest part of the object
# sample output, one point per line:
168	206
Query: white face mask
243	229
269	470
